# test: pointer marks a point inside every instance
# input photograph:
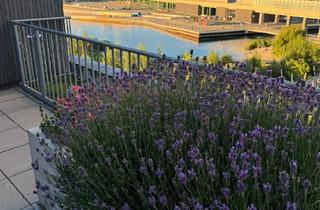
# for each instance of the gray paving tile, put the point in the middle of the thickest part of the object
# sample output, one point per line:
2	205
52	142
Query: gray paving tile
17	104
15	161
10	199
10	94
25	182
12	138
28	118
6	123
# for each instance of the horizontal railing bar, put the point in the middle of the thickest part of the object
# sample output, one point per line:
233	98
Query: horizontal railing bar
41	19
111	45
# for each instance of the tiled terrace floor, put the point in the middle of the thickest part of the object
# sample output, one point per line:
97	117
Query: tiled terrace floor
18	113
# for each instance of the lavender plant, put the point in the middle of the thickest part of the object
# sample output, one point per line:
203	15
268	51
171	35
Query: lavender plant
188	137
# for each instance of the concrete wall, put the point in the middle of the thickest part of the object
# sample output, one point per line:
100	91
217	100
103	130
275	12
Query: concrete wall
188	9
244	15
221	12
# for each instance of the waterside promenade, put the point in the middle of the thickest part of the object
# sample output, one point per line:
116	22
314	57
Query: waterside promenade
177	25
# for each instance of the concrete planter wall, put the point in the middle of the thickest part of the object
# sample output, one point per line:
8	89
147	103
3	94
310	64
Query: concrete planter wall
42	148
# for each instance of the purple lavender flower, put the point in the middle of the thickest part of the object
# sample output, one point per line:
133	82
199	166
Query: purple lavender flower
240	186
266	187
293	167
232	155
125	207
198	206
199	162
159	173
163	200
243	175
168	155
160	143
270	149
66	162
291	206
240	144
176	207
212	137
177	145
143	169
193	153
191	174
284	182
251	207
226	175
226	192
211	167
152	189
256	171
152	201
182	177
306	184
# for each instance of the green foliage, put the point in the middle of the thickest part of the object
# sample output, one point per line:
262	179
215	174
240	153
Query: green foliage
286	36
213	58
255	63
226	59
296	52
276	68
155	146
297	67
259	43
186	56
159	50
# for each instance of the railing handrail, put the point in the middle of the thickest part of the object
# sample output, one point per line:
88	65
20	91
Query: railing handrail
97	42
40	19
49	74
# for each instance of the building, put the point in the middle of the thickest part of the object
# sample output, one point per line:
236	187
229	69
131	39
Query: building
13	10
249	11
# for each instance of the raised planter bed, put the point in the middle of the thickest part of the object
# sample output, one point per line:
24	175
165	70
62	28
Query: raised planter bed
41	150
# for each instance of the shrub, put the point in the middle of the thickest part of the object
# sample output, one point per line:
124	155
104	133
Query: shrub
226	59
296	52
186	56
259	43
213	58
189	139
255	64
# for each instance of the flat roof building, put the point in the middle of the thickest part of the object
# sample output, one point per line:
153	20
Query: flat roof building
231	8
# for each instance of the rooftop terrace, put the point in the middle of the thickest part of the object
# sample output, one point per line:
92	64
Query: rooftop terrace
18	112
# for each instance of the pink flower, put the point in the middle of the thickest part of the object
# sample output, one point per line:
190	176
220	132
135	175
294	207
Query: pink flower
75	88
67	105
78	98
90	116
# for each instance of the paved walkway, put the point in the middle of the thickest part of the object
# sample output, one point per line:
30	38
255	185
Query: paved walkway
18	112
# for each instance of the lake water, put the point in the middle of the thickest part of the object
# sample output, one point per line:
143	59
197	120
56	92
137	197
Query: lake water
131	36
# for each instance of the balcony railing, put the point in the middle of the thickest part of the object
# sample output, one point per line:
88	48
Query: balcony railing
52	59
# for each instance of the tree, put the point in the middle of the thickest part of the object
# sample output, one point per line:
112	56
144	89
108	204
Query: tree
286	36
296	52
213	58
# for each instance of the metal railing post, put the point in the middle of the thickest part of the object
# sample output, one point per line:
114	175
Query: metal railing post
39	64
18	44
